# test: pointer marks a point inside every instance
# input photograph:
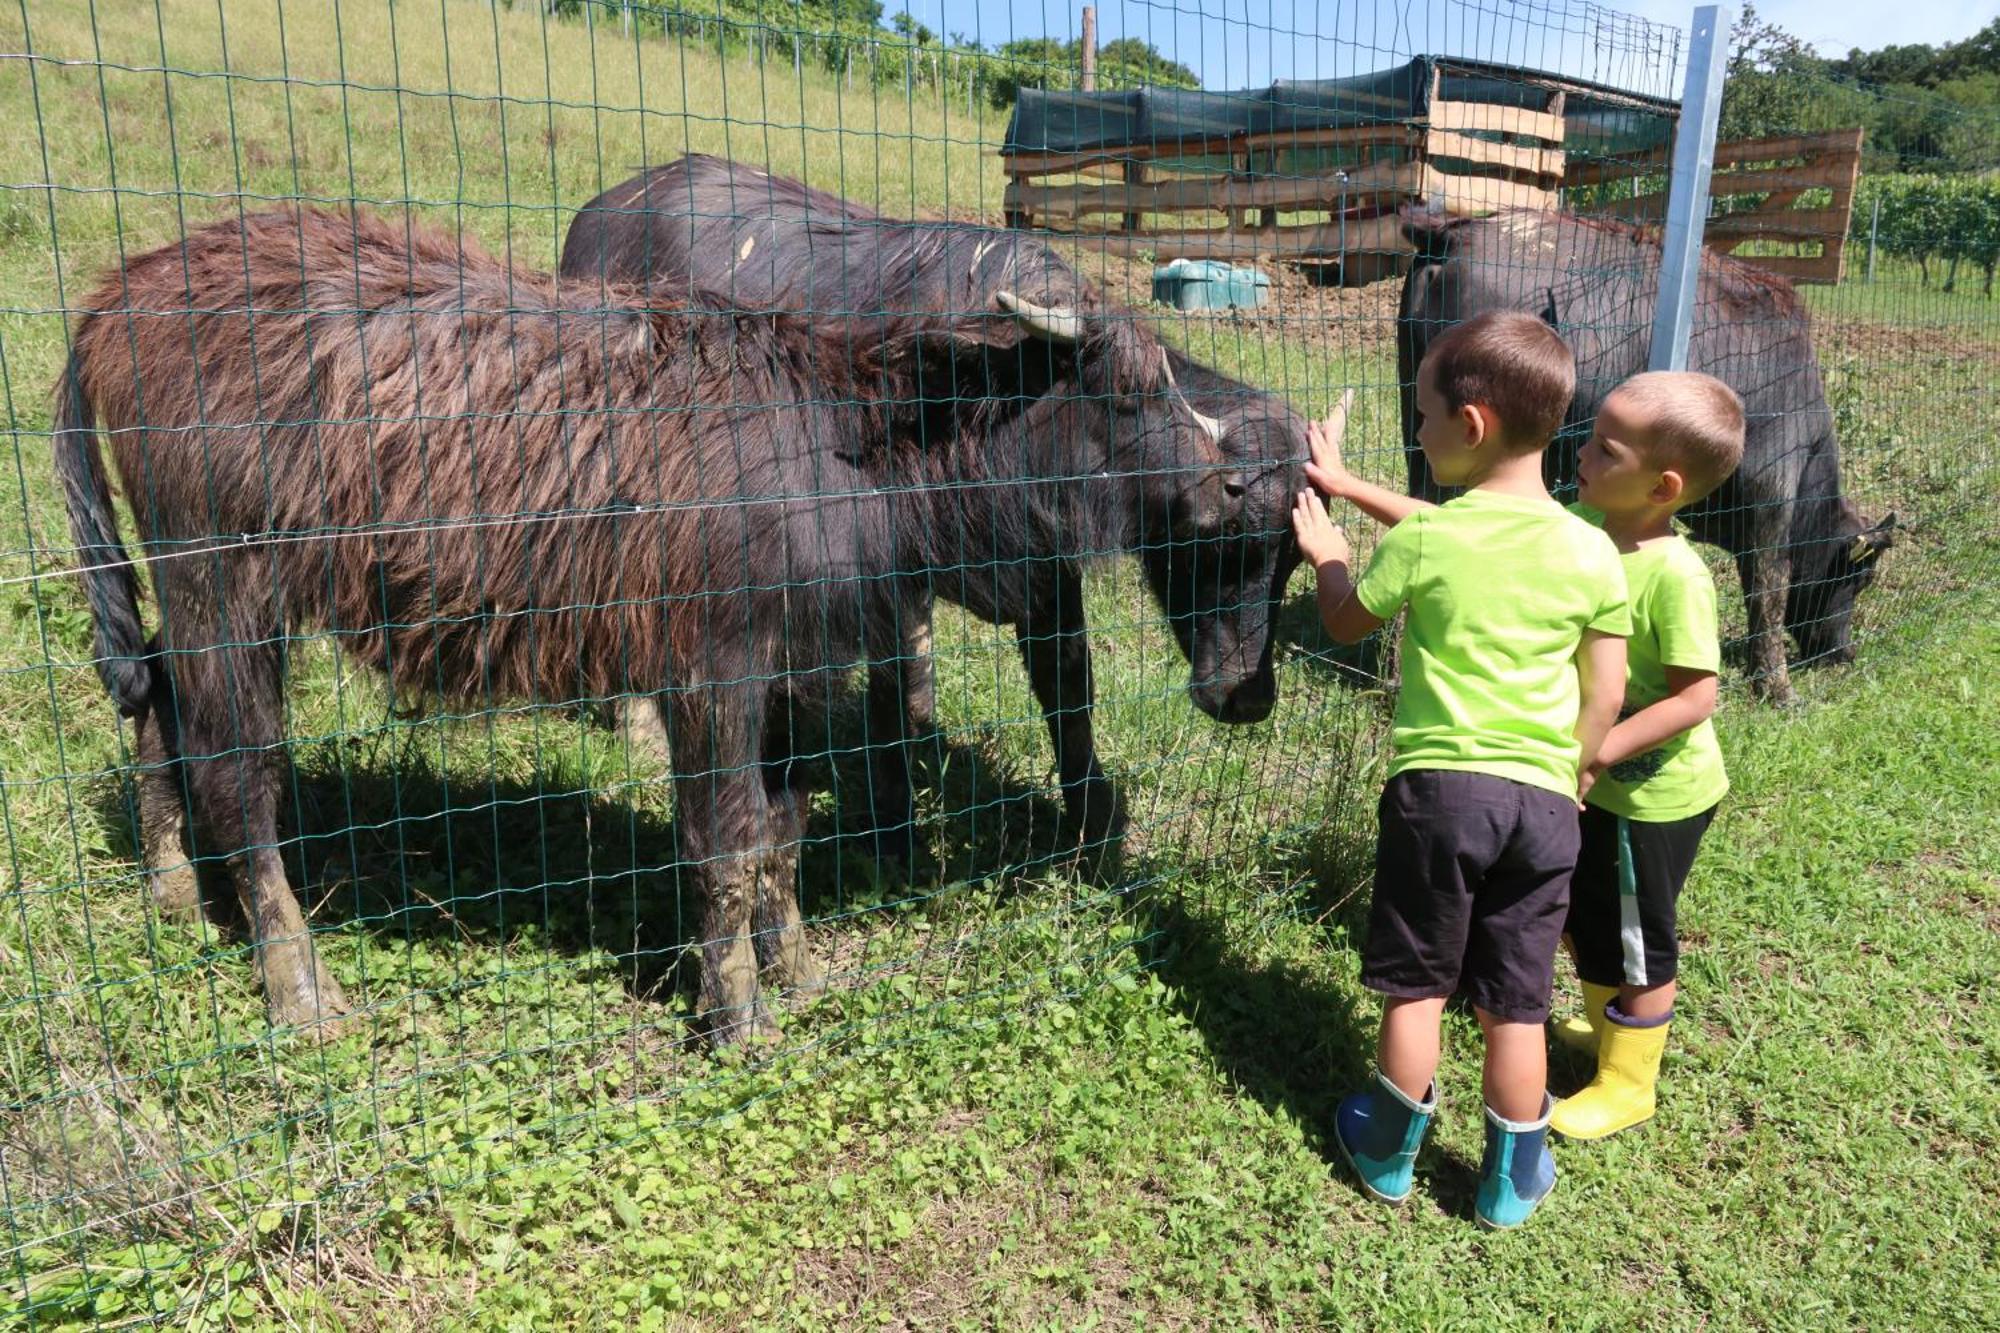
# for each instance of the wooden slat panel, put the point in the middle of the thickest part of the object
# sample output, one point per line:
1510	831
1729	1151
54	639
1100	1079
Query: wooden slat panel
1781	146
1800	268
1596	171
1773	205
1823	151
1815	175
1135	179
1809	224
1641	208
1500	119
1321	241
1465	195
1514	157
1783	183
1462	194
1049	164
1843	199
1396	134
1219	193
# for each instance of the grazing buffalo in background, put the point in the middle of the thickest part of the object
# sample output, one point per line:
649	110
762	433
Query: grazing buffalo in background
1802	550
490	483
768	242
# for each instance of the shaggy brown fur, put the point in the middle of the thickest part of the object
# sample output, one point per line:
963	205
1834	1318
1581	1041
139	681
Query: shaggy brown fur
491	484
771	242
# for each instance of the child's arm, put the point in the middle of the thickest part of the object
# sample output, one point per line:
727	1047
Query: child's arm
1324	547
1330	477
1600	671
1690	701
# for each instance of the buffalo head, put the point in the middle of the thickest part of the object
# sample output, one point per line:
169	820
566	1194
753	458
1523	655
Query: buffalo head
1819	607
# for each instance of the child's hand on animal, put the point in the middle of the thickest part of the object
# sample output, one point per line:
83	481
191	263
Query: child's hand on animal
1320	538
1326	471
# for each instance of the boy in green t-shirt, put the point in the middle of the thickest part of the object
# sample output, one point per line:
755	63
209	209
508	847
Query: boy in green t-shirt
1513	666
1662	442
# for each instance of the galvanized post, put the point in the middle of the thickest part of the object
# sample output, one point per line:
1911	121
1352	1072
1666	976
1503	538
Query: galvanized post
1687	192
1874	226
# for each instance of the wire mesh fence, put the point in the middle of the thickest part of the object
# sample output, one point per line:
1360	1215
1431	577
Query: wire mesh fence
634	550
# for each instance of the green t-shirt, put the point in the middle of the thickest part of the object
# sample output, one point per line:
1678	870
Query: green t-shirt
1500	590
1673	624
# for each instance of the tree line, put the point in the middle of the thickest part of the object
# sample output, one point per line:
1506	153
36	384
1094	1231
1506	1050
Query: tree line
854	41
1925	108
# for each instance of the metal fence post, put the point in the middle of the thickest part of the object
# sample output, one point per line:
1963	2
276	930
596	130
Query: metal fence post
1874	228
1687	192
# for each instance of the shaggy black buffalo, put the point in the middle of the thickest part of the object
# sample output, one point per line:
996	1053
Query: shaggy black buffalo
492	484
1802	550
769	242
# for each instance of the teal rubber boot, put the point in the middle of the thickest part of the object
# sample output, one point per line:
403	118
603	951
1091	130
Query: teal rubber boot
1517	1172
1379	1132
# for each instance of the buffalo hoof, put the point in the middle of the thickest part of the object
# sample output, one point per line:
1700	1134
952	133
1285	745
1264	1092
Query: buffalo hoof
895	843
1776	691
301	993
1094	815
743	1029
177	893
796	972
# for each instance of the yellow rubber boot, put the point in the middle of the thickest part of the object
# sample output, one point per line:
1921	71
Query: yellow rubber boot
1621	1096
1582	1032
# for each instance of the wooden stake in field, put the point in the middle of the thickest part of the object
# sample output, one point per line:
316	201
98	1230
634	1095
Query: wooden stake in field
1088	81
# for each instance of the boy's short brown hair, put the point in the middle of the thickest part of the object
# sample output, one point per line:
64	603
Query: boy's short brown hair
1696	427
1512	364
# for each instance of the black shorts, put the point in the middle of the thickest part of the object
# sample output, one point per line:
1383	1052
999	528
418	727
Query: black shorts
1471	887
1629	874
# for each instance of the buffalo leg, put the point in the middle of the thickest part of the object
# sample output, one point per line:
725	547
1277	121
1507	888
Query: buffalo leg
162	812
641	727
230	706
918	668
901	706
720	812
1056	649
782	949
1766	575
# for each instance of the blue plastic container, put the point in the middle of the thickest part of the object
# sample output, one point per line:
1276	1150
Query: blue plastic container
1208	284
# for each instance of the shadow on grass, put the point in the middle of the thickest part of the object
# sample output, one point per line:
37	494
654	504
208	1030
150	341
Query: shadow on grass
1298	1035
1288	1033
1368	665
383	839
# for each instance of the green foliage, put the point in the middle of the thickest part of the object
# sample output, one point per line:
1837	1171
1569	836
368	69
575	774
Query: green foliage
1044	62
848	38
1922	112
1924	218
1771	82
1921	65
1033	1102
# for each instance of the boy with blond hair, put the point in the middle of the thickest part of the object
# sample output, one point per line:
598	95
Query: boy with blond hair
1662	442
1513	667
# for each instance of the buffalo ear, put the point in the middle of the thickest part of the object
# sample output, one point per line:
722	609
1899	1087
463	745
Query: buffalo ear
934	379
938	368
1874	541
1430	230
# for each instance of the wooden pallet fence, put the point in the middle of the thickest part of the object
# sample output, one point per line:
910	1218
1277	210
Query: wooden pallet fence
1448	158
1761	192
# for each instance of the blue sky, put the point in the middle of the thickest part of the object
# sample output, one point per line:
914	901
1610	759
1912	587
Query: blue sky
1244	43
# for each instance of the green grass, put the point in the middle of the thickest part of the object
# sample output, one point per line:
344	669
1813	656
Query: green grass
1042	1094
1058	1103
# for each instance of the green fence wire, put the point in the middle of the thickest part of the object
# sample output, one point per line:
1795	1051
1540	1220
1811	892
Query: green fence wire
671	583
